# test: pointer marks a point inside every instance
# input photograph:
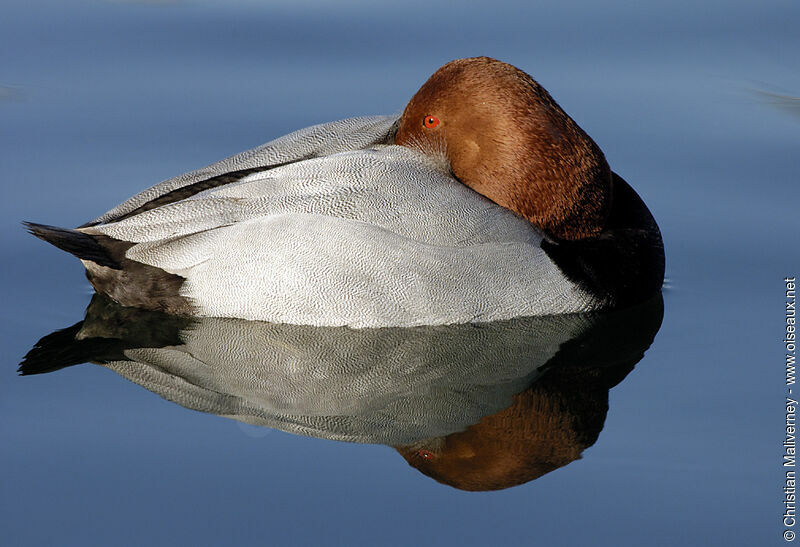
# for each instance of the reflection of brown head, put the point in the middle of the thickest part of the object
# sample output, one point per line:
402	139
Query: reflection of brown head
554	420
546	427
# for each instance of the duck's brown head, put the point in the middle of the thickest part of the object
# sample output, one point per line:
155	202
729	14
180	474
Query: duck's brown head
502	135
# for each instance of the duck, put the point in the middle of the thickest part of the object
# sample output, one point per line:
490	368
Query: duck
482	201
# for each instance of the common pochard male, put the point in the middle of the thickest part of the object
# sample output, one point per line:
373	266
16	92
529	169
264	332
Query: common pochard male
484	201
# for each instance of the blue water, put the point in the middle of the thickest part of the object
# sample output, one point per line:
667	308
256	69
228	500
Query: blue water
694	105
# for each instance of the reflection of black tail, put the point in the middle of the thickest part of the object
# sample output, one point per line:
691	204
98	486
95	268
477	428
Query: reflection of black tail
84	246
104	335
60	350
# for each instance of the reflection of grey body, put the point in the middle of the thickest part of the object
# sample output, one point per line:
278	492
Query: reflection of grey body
391	386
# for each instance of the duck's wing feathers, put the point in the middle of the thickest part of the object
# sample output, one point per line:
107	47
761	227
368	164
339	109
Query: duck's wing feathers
311	142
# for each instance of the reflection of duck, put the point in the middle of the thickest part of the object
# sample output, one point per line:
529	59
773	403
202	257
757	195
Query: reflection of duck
440	395
554	420
337	225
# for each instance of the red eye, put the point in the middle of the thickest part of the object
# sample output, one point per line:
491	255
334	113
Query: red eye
430	121
425	454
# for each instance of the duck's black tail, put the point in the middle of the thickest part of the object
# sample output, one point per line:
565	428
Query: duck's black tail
84	246
110	272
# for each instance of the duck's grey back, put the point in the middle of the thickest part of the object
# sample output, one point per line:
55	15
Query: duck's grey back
310	142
